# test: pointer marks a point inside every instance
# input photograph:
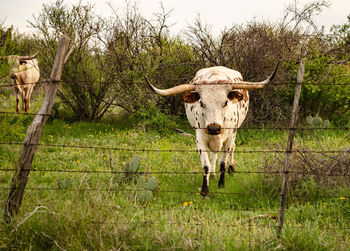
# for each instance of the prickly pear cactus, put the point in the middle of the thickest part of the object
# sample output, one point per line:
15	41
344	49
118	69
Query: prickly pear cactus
148	186
309	120
64	183
135	163
141	182
131	168
326	123
145	185
317	121
144	196
151	184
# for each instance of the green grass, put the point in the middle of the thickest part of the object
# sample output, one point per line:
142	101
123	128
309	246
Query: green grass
95	210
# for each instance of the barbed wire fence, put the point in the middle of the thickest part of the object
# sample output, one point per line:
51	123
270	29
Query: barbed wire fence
31	143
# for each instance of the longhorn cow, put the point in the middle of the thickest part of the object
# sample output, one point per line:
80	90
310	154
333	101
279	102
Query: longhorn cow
24	75
216	103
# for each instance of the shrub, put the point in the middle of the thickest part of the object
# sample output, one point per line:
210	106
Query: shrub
321	93
310	172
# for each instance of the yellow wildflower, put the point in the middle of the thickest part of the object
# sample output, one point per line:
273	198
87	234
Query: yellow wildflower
185	203
78	162
342	198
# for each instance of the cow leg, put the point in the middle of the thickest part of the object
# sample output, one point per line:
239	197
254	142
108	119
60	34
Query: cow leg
23	100
17	102
28	94
203	153
227	150
231	164
213	157
27	105
231	168
223	160
205	185
24	103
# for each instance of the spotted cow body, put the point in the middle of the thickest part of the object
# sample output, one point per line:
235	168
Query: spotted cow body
216	104
215	108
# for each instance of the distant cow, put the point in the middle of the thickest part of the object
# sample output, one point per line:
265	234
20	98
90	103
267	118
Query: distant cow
216	103
24	75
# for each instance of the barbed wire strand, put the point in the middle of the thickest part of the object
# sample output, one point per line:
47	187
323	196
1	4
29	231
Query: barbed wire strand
26	113
46	81
169	150
203	128
175	172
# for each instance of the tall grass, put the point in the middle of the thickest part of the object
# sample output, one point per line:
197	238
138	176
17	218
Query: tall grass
92	210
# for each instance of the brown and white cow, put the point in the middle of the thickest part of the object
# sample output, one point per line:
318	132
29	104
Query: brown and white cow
24	75
216	103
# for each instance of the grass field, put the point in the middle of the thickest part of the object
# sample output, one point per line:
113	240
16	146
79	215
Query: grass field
77	199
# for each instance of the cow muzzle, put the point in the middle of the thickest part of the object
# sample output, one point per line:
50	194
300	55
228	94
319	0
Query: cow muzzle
213	129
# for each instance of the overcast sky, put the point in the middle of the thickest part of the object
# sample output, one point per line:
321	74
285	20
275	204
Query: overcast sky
217	13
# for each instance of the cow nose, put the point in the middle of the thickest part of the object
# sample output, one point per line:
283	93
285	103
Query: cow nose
213	129
13	76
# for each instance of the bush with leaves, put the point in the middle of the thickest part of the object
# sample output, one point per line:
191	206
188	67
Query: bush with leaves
324	93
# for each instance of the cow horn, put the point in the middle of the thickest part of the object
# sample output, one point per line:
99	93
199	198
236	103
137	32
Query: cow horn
171	91
255	85
28	57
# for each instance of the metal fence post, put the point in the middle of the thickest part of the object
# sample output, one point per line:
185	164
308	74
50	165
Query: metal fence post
30	144
289	147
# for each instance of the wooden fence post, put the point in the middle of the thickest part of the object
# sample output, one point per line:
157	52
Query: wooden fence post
30	144
290	147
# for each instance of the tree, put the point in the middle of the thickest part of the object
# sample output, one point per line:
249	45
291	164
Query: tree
137	47
84	89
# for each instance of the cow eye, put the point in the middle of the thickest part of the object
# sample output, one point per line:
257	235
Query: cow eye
235	95
22	62
202	105
225	103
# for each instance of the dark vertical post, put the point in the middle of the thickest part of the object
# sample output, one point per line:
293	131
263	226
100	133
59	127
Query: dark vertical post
290	146
32	139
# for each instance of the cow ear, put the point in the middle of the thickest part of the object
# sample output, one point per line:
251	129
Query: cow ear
190	97
235	95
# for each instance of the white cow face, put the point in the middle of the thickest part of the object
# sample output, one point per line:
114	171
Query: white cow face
17	66
214	104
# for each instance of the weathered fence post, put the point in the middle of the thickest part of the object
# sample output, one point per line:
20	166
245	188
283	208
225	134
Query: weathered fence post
32	139
290	147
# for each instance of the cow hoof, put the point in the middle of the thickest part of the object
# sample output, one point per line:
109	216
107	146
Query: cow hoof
204	192
231	169
221	185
